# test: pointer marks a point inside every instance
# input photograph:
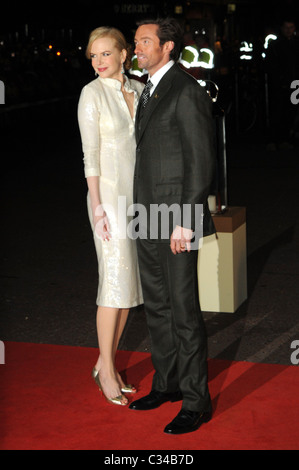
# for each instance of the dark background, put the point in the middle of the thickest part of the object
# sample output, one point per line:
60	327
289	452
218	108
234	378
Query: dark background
32	71
82	15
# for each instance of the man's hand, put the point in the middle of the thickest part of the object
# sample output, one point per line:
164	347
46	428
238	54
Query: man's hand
180	240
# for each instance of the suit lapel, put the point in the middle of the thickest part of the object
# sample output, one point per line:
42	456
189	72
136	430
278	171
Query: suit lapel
162	88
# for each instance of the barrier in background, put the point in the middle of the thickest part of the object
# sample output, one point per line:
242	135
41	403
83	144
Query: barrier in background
222	263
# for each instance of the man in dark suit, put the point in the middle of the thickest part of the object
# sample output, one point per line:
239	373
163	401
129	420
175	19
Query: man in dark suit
174	169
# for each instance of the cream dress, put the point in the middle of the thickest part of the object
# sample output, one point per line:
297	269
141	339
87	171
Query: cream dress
108	141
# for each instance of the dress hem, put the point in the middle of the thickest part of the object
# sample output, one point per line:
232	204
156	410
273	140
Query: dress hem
135	304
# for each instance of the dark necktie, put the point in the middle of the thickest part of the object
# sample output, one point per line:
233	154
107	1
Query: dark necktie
145	96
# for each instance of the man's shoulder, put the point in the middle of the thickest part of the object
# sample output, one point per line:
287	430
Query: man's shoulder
182	79
183	75
184	83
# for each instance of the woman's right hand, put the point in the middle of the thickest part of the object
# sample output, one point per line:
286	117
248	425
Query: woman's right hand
101	224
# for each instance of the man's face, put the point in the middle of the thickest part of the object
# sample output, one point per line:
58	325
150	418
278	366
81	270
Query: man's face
288	29
151	56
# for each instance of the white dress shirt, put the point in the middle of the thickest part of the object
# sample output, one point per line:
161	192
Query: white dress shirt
159	74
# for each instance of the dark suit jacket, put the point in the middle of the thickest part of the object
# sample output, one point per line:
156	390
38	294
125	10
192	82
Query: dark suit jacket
175	154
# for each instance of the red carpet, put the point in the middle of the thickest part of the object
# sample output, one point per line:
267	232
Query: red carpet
49	401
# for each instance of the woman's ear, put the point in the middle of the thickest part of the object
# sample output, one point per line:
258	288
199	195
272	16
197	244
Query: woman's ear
123	56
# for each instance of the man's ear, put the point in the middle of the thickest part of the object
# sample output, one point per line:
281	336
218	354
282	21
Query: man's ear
168	46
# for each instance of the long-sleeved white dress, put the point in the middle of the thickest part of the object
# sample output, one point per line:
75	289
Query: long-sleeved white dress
108	141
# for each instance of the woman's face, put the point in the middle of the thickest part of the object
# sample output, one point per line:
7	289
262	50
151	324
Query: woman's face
106	59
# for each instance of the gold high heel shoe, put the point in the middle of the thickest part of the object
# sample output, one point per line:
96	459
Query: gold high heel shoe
129	389
117	400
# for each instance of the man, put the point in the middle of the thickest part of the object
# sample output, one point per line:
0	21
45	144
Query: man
174	166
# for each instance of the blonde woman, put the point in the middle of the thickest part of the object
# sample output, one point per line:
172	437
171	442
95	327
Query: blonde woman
106	114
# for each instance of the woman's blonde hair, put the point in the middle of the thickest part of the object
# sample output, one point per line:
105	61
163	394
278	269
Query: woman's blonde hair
109	32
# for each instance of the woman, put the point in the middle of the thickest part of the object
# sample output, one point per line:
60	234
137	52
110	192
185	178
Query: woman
106	114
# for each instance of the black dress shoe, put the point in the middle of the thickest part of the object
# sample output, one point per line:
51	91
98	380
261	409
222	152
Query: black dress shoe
187	421
154	399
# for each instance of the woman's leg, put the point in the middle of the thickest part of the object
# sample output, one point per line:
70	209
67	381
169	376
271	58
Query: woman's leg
107	326
121	323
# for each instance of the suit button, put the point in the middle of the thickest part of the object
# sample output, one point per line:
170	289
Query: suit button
138	149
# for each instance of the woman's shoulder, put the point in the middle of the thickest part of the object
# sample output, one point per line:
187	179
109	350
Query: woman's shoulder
136	85
91	90
93	85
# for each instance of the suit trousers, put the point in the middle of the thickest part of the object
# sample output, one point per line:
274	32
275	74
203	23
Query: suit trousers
176	327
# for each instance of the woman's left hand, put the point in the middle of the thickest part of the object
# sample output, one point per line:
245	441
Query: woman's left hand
101	224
